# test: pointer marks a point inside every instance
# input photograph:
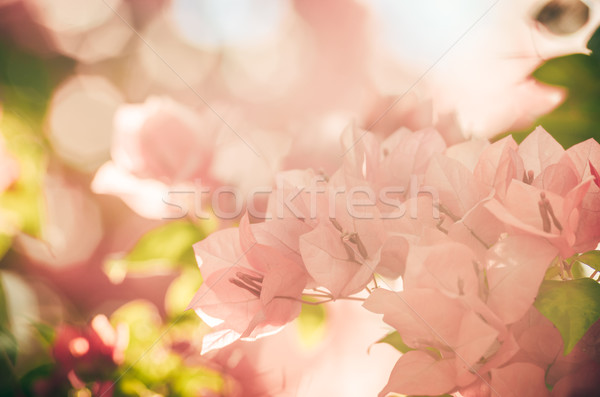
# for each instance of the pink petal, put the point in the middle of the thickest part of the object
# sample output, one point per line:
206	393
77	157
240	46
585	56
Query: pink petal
446	267
539	150
220	250
458	190
222	303
519	379
424	317
329	264
418	373
595	173
498	165
508	263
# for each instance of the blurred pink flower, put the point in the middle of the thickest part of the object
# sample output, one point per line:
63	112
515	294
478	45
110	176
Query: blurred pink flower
548	200
157	147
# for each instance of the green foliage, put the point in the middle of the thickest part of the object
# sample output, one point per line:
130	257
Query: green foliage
21	205
45	331
573	306
152	365
312	324
394	339
43	371
590	258
578	117
25	90
166	247
8	343
5	243
181	291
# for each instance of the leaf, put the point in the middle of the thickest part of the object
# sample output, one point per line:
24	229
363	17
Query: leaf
29	379
8	343
395	340
181	291
8	346
590	258
45	331
594	44
165	248
573	306
5	243
4	317
577	118
311	324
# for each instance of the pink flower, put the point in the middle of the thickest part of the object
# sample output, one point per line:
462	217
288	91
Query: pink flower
157	146
548	200
253	280
450	340
455	309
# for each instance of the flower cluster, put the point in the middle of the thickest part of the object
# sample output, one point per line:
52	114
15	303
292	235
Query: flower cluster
450	243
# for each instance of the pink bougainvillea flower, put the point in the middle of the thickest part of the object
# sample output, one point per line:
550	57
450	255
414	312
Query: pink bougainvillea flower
498	165
547	201
515	268
253	280
450	338
158	146
394	162
586	158
337	258
459	304
518	379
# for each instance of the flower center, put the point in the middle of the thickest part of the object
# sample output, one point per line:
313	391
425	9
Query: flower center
547	213
352	238
528	177
250	283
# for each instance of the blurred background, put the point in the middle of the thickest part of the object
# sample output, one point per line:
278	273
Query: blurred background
121	119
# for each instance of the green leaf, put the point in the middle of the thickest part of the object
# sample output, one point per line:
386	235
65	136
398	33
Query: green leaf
45	331
4	316
590	258
42	371
395	340
171	242
181	291
8	343
312	324
594	44
8	347
573	306
163	249
577	118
